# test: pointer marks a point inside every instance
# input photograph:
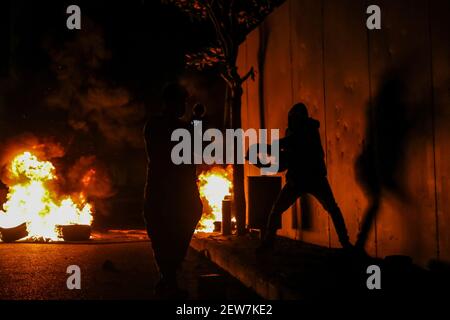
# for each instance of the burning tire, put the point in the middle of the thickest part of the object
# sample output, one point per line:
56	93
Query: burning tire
75	232
14	234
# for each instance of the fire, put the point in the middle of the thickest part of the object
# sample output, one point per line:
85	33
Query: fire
214	185
31	201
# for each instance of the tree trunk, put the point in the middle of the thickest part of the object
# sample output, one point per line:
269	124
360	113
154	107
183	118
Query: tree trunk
238	169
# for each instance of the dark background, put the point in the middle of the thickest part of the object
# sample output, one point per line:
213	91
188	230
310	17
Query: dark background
91	90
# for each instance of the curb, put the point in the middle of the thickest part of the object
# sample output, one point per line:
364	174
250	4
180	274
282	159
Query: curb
268	288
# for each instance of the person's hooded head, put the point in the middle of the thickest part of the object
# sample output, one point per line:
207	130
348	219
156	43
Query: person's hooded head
174	99
297	116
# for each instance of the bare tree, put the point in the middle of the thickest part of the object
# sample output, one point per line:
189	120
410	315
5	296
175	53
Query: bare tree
232	20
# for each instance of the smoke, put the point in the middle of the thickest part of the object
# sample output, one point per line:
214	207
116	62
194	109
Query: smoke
93	103
91	176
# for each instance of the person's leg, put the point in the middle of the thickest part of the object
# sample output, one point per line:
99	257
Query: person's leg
158	232
163	254
166	252
181	245
287	197
321	190
368	221
170	250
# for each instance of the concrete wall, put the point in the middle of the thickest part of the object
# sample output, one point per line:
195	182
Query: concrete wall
379	95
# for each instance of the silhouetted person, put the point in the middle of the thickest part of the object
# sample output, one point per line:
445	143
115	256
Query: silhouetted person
302	152
172	206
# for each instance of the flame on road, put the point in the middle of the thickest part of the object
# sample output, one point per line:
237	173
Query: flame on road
31	199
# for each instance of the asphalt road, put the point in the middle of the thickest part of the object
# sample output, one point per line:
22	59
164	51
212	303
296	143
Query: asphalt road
108	271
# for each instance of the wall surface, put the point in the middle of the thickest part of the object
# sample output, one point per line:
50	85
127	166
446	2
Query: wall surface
382	98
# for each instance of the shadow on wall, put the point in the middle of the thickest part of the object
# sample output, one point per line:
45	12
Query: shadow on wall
394	122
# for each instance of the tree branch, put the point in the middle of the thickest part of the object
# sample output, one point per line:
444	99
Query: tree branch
250	73
217	26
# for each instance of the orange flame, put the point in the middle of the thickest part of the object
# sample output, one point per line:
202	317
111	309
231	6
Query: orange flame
30	201
214	185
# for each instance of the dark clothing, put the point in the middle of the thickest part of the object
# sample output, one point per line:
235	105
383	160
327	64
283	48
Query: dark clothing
306	173
321	190
172	205
304	154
